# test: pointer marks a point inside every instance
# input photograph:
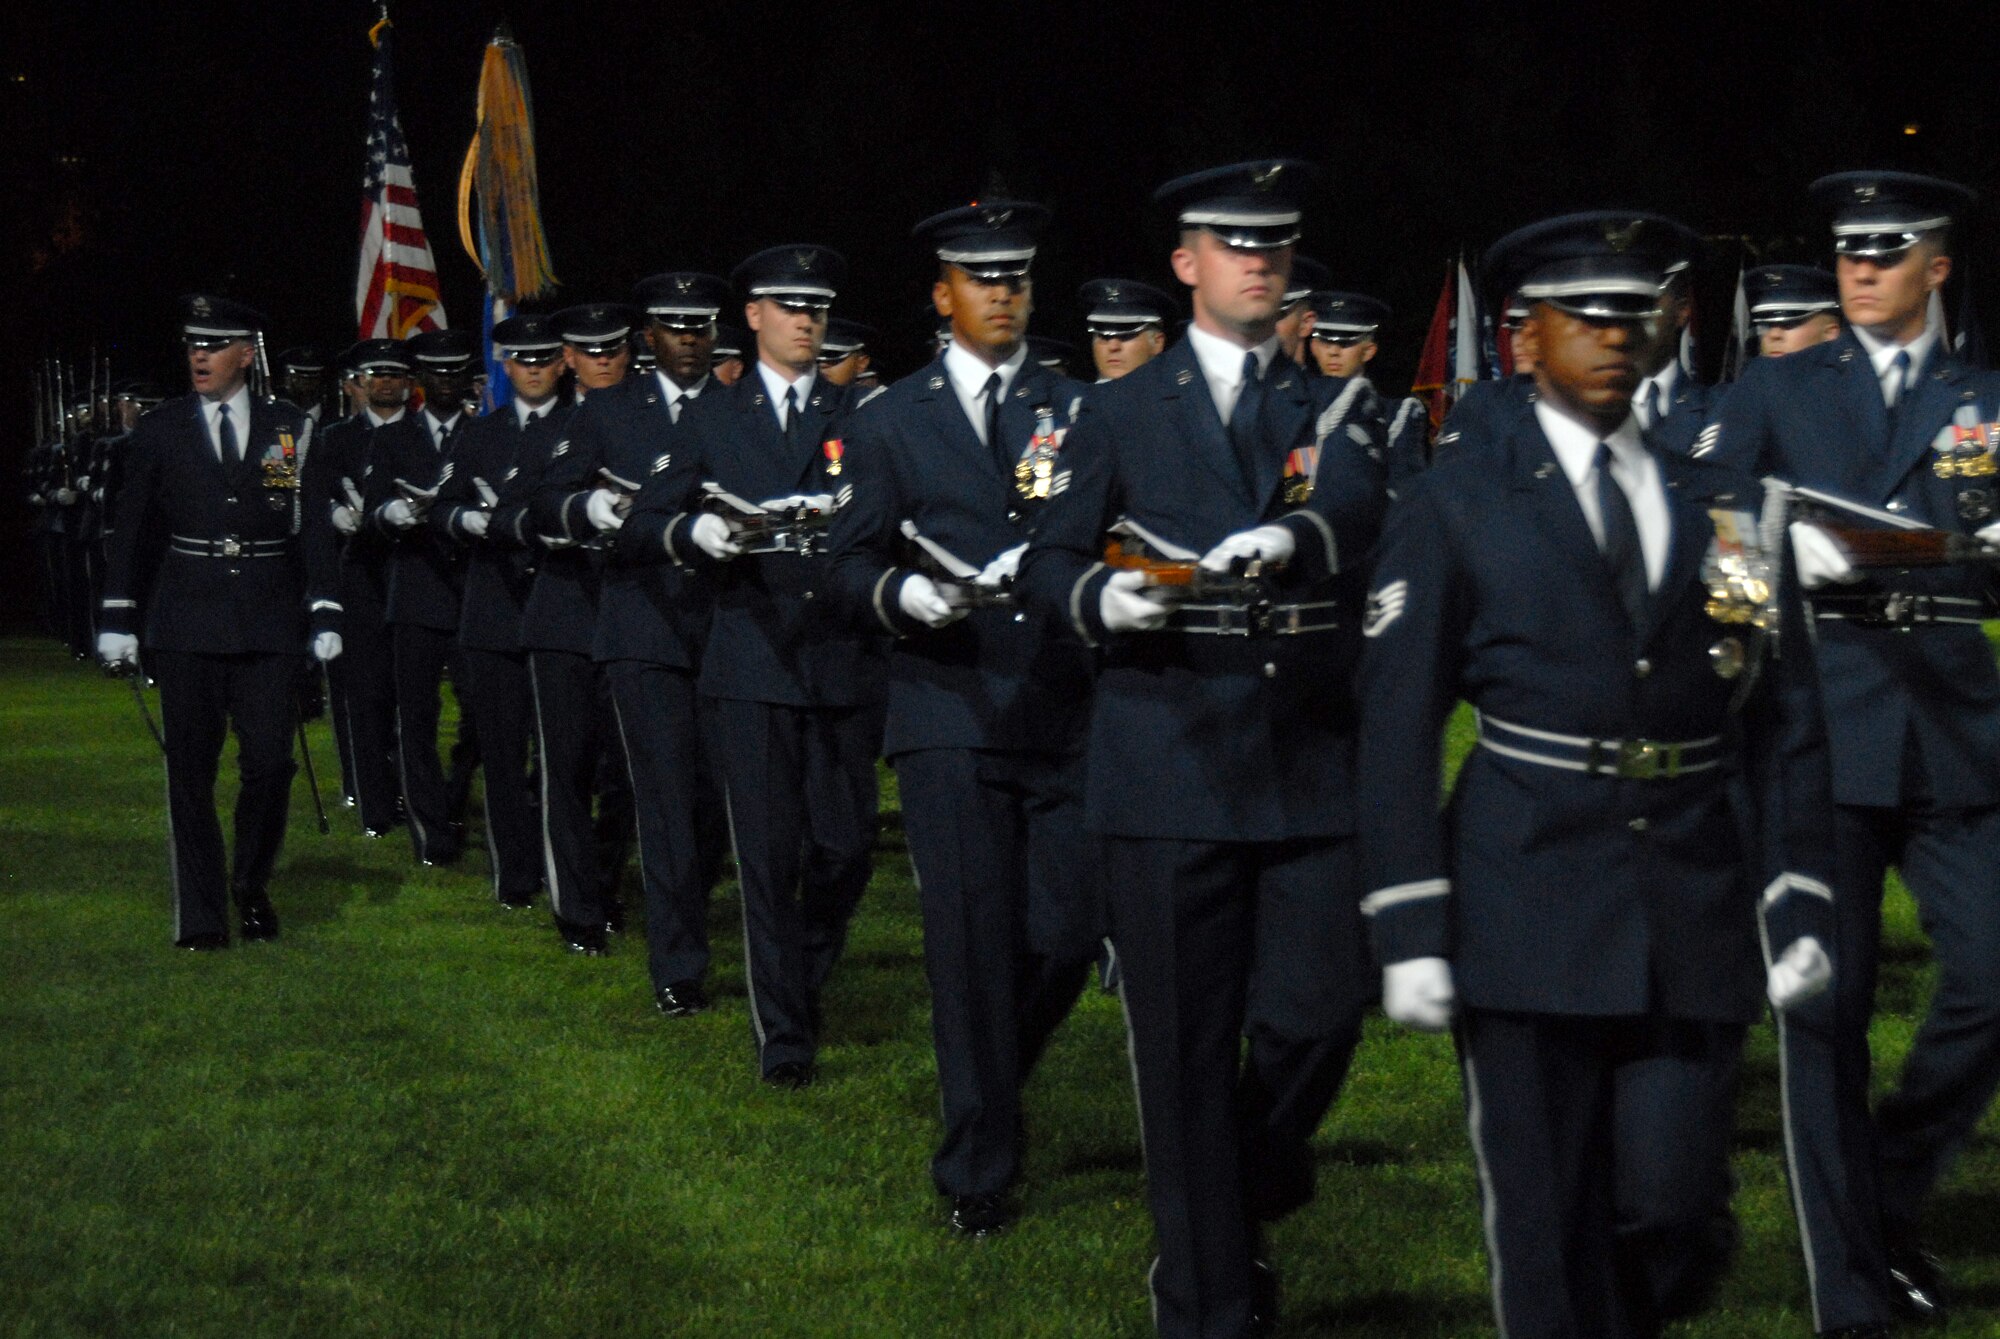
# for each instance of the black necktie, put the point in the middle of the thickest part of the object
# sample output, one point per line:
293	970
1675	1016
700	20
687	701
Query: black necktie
225	433
1899	386
992	394
792	415
1622	553
1243	420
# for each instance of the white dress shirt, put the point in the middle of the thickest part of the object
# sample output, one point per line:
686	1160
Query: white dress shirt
440	426
1656	389
969	374
525	413
678	395
382	421
239	417
775	386
1883	354
1221	363
1632	465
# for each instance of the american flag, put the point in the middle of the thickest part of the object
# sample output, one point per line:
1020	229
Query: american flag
396	292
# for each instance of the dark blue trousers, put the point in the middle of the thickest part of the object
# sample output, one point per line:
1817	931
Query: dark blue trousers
201	697
1554	1103
586	799
1008	882
678	811
500	703
802	809
1859	1179
1218	942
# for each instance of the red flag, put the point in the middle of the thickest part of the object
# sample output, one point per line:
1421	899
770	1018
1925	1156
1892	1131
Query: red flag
1434	366
396	291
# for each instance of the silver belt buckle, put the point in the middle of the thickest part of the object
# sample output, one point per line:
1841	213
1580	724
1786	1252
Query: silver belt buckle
232	547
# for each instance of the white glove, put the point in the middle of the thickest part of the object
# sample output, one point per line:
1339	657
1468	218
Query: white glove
65	495
1800	972
1819	557
1272	543
1989	535
326	646
117	648
818	501
346	520
1419	993
815	501
710	534
922	601
602	509
1123	609
474	523
398	512
1001	570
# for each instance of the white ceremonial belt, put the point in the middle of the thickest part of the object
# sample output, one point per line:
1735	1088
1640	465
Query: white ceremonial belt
1630	759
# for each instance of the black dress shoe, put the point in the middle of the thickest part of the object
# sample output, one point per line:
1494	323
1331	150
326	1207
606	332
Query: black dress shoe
982	1215
443	853
1263	1298
518	901
791	1075
614	916
204	943
681	999
580	938
260	920
1917	1286
1858	1332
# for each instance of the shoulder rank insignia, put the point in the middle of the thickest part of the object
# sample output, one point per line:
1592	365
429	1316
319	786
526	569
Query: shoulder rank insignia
1385	606
1706	441
661	461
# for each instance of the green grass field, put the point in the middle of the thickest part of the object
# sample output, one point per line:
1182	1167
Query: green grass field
413	1116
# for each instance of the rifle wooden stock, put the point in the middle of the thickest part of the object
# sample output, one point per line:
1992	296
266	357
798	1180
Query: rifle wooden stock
1186	580
1873	549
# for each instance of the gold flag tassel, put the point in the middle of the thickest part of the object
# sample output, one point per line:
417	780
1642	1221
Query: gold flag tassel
512	249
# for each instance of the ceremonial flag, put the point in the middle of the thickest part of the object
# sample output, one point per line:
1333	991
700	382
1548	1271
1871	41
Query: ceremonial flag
1970	345
396	291
1465	363
1433	383
1737	356
512	251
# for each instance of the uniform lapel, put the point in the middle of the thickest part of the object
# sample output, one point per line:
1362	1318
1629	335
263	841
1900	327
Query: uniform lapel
1559	515
1687	538
202	445
1190	404
1926	406
954	431
1281	422
814	416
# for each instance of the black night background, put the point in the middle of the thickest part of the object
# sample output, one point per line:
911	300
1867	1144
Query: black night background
156	149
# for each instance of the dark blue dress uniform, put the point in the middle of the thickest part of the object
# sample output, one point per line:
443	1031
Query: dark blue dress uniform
986	716
244	583
1219	774
1647	799
487	480
652	622
426	572
587	811
1686	414
796	695
1912	704
1485	413
361	682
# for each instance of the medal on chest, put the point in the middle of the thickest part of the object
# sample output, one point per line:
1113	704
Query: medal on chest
1035	471
832	448
1301	465
281	470
1964	454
